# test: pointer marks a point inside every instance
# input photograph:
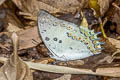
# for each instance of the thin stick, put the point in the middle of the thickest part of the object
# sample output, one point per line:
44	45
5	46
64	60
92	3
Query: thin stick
101	26
115	5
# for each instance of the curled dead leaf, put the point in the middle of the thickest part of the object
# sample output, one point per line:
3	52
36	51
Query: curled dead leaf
115	42
104	6
116	55
26	40
109	47
15	68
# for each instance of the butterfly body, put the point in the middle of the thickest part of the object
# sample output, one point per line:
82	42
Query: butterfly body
66	40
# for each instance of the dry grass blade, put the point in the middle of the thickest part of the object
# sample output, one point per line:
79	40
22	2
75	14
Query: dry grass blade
28	16
115	5
109	71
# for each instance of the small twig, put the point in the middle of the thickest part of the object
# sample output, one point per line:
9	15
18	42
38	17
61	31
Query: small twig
115	5
102	29
25	14
3	60
117	52
14	55
28	16
104	21
31	18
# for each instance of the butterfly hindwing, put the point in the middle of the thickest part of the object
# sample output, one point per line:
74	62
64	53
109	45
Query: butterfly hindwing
65	40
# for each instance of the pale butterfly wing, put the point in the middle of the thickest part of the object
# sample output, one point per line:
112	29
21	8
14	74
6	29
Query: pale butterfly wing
65	40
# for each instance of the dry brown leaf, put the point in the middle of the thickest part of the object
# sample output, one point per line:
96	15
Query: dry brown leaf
29	38
115	42
15	68
65	6
14	24
29	6
104	6
3	20
2	1
13	20
33	6
6	44
116	18
52	6
108	46
12	28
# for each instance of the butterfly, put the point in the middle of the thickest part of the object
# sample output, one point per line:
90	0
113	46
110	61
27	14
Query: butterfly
65	40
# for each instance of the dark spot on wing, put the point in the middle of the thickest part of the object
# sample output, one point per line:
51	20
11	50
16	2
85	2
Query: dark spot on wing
71	48
44	30
55	39
47	38
60	41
